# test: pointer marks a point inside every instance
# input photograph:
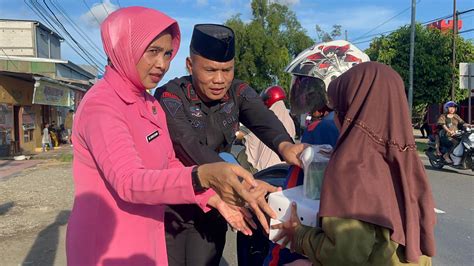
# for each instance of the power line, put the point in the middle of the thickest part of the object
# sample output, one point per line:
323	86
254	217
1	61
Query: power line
78	29
86	53
40	15
466	31
465	11
105	9
40	12
90	10
58	22
423	23
385	22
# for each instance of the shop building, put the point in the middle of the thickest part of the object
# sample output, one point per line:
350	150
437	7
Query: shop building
36	86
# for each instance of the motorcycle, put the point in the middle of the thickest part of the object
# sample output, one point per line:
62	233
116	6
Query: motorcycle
461	155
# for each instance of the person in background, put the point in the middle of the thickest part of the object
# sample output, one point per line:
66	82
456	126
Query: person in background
68	124
53	130
322	129
364	215
203	112
46	138
256	153
125	170
425	129
62	134
449	123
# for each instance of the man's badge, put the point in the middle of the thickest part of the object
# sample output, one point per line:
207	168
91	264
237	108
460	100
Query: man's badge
227	107
195	111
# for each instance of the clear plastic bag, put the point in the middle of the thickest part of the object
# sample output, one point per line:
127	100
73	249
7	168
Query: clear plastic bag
315	159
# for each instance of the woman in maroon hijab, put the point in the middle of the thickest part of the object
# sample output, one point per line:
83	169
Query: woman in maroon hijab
376	203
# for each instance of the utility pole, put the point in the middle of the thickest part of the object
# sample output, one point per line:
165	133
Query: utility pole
412	55
455	32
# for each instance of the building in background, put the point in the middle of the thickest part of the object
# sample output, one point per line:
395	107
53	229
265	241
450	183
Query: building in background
36	85
444	25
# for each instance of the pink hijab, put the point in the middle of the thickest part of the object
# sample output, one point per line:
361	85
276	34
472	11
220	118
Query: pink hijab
126	33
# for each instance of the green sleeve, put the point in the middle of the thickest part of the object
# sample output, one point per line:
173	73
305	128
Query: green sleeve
338	242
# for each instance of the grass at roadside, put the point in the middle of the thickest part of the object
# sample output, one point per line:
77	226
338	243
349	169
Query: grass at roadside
65	157
421	146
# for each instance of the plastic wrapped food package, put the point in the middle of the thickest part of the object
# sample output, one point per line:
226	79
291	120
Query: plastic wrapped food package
315	159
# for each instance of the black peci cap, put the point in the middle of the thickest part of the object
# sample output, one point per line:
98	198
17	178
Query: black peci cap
214	42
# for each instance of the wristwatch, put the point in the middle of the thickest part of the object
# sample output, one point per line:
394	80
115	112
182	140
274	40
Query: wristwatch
196	183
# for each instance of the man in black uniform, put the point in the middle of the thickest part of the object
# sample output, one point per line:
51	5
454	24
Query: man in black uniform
203	113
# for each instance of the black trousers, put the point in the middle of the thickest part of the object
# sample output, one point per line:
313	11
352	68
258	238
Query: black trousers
425	130
193	237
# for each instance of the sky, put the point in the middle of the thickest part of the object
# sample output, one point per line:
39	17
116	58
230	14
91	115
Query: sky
363	19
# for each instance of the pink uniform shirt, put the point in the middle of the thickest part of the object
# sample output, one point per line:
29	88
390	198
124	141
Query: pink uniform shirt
125	169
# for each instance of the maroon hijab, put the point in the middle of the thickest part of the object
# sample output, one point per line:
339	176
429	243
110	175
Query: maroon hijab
375	174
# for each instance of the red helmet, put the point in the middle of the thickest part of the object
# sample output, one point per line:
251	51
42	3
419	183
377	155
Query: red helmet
272	95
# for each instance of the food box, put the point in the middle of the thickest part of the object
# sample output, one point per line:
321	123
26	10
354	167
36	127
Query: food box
281	201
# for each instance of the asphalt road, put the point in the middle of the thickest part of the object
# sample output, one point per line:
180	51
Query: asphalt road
34	205
454	195
453	191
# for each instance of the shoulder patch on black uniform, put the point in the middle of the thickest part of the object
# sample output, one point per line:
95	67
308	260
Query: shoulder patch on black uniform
241	88
173	87
168	94
172	105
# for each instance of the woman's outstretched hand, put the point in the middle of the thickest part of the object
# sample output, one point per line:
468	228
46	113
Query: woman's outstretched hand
237	217
237	187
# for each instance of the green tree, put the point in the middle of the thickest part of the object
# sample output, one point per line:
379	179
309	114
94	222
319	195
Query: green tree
432	63
266	44
323	36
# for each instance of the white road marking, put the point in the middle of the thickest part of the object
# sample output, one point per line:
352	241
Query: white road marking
439	211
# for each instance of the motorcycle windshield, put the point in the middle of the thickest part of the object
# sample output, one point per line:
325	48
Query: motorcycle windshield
307	94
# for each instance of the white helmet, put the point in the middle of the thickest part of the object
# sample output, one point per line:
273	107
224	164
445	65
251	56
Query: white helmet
313	70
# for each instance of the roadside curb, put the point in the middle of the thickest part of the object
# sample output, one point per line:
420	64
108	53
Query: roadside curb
12	167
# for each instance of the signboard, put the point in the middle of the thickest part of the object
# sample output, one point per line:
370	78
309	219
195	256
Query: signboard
466	81
466	76
48	93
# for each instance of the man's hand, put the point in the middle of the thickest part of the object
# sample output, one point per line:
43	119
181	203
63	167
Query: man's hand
288	229
237	217
224	179
240	135
291	152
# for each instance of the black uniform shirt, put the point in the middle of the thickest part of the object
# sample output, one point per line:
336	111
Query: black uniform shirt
200	131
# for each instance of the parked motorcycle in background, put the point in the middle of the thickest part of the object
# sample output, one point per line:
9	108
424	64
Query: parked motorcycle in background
461	155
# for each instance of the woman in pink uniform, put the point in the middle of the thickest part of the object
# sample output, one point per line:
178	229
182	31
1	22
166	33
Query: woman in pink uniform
124	166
